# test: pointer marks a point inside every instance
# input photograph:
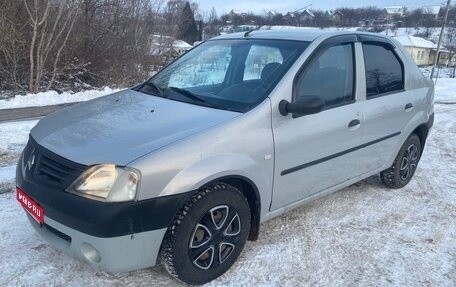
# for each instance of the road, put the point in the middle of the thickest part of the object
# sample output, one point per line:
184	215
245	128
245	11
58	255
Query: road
29	113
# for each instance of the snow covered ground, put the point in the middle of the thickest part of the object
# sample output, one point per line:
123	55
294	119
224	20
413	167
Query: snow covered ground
53	98
443	72
363	235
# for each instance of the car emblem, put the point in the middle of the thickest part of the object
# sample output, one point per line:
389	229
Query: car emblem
31	160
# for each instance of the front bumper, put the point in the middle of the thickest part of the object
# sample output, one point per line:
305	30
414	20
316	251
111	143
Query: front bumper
116	237
114	254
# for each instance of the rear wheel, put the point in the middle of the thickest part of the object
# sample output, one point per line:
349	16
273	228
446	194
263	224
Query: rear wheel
207	235
405	164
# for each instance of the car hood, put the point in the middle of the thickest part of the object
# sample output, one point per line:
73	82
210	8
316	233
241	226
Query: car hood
122	127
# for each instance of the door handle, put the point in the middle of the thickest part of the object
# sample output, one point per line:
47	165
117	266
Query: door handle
354	123
408	107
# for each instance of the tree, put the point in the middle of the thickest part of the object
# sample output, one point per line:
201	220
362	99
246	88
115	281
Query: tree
51	23
211	28
450	44
12	45
187	28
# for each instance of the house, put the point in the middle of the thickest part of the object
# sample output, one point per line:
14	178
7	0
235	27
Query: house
306	15
236	13
423	51
289	16
168	46
334	16
432	11
270	14
392	12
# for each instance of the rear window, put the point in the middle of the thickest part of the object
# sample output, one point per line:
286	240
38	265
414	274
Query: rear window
384	71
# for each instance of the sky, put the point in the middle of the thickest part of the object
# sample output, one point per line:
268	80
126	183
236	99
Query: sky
283	6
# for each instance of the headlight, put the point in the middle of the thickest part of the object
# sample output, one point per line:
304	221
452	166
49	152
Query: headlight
107	182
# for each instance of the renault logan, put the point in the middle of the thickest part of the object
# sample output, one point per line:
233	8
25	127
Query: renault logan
183	168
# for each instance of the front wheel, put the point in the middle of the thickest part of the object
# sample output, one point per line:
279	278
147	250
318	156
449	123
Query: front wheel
405	164
207	235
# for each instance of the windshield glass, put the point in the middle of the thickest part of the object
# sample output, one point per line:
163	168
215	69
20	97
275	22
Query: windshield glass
226	74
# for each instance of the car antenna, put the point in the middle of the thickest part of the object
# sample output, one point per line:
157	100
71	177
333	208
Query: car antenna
246	34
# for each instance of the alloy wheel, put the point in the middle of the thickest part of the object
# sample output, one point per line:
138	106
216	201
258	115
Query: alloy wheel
214	237
409	162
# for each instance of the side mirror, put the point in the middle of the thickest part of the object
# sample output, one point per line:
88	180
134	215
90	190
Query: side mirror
302	106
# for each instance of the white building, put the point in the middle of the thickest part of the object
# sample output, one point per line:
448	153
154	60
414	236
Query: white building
423	51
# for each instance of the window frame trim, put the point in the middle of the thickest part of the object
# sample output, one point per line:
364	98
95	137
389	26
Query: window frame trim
323	46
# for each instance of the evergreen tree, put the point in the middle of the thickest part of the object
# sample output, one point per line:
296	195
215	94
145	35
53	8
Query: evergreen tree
187	28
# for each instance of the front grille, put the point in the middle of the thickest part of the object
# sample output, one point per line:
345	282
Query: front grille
54	231
50	170
48	167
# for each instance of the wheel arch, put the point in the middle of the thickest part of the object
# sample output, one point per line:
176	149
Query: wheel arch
250	191
422	132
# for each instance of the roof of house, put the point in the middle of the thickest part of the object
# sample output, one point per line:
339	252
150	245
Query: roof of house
433	10
162	44
182	45
307	13
290	14
333	12
412	41
235	12
395	10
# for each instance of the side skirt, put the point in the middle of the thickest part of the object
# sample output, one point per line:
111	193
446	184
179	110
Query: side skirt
320	194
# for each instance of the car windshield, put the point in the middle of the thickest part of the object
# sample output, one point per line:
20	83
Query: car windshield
234	75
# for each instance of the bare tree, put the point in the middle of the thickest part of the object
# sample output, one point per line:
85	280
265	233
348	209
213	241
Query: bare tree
52	23
77	44
450	44
12	46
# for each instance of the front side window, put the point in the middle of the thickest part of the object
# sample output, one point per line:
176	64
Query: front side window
226	74
329	75
384	71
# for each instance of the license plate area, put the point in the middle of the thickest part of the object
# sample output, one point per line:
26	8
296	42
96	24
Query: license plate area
30	205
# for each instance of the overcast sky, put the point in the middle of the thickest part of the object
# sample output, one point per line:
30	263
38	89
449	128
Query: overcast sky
283	6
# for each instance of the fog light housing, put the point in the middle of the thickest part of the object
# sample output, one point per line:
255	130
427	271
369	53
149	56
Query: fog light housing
90	252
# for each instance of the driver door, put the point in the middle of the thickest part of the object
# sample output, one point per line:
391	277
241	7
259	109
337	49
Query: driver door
315	152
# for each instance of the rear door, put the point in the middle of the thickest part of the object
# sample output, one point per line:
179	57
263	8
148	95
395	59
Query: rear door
388	106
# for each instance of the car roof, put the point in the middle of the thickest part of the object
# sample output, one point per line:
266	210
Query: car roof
305	34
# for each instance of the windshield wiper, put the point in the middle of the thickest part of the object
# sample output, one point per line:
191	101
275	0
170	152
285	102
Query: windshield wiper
188	94
196	98
156	87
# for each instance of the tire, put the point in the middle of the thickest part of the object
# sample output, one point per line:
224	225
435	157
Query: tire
207	235
404	165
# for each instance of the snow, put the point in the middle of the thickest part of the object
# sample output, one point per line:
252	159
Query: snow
13	137
411	41
53	98
446	91
182	44
440	72
363	235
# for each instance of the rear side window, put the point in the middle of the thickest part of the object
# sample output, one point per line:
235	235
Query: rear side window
384	71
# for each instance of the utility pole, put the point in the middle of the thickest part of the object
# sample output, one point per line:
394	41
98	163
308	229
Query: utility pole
440	38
